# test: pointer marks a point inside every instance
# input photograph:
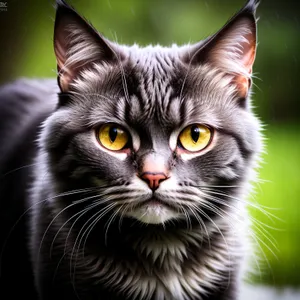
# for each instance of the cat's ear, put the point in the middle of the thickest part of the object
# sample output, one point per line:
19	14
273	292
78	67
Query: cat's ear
232	49
77	45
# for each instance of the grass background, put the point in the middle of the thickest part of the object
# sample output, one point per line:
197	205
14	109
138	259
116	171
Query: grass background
26	39
279	193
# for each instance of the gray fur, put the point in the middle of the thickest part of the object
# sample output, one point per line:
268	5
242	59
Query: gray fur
87	235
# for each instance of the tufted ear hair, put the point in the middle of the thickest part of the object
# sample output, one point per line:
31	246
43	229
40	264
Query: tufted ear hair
77	45
232	49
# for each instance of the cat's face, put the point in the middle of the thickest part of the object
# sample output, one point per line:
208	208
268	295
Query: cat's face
165	132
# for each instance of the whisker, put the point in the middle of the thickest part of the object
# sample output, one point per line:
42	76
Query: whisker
13	228
202	224
212	221
27	211
17	169
110	220
207	186
122	216
258	206
98	215
81	213
256	239
57	267
92	225
58	214
187	217
97	203
258	225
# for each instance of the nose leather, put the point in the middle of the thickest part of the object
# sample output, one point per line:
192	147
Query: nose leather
154	170
153	179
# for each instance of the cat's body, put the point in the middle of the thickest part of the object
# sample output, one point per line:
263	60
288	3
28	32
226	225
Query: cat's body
159	211
21	113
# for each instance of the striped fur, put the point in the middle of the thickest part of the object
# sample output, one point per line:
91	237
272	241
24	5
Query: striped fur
93	235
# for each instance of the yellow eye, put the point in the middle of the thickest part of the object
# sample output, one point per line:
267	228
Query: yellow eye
112	137
195	137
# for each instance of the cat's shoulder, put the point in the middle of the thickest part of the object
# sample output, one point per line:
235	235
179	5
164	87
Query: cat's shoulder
24	104
26	92
23	100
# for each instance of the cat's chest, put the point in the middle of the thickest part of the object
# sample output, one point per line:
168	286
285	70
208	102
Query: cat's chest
163	269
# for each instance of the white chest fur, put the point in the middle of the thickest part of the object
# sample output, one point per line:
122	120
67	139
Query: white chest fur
182	266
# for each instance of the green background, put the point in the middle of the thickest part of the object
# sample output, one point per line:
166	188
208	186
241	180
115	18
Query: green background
26	37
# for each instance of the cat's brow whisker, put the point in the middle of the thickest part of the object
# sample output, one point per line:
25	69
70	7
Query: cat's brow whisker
124	82
184	81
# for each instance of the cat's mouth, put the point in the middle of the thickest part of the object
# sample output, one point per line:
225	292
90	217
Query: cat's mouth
154	210
155	201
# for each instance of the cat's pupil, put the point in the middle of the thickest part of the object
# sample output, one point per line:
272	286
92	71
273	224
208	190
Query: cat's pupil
195	133
113	132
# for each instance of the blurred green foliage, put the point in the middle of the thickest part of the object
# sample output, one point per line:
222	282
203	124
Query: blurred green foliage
26	39
277	212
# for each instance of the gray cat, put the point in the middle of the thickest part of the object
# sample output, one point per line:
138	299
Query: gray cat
132	172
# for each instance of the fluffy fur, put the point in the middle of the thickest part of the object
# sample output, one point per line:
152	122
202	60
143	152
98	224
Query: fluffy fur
93	233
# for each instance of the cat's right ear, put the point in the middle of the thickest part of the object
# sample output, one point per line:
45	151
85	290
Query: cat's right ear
232	49
77	45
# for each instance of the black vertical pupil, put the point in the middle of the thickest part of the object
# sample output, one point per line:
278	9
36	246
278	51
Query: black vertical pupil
113	132
195	133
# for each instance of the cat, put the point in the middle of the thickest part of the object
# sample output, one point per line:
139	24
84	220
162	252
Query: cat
128	177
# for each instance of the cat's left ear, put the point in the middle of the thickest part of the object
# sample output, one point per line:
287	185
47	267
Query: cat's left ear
78	46
232	49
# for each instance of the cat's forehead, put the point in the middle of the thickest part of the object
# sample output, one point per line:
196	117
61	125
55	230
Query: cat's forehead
155	67
152	52
143	87
152	85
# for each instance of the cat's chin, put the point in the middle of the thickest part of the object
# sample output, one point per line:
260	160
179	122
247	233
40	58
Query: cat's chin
153	214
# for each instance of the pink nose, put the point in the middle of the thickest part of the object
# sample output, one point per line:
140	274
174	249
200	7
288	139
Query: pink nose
153	179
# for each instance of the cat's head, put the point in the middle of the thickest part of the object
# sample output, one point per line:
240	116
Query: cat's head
165	133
